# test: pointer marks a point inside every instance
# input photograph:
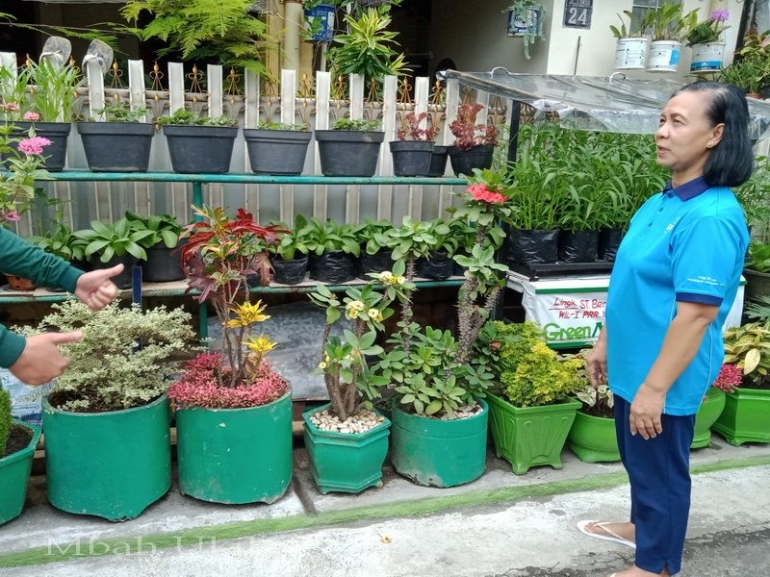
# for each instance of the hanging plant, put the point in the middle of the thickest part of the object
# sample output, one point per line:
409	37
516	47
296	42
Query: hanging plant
530	16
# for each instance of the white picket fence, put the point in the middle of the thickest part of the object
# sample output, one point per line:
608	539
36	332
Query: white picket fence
296	103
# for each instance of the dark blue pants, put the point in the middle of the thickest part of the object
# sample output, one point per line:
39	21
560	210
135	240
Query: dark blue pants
659	473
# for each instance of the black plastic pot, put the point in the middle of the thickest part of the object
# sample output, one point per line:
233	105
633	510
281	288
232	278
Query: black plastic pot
380	261
204	149
289	271
279	152
163	264
438	161
609	243
578	245
332	267
411	157
349	152
117	146
464	161
56	132
439	266
123	280
532	246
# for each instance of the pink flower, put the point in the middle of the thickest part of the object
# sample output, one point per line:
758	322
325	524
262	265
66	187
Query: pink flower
31	116
34	145
719	15
11	216
729	377
10	107
482	193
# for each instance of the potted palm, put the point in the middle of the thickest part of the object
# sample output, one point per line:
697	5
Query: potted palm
413	151
347	440
198	143
632	48
17	448
119	143
350	148
227	398
277	148
108	415
474	143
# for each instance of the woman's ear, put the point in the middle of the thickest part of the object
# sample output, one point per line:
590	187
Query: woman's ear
716	135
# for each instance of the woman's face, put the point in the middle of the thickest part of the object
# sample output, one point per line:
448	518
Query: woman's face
685	137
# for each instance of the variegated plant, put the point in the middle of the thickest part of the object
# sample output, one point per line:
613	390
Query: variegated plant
748	347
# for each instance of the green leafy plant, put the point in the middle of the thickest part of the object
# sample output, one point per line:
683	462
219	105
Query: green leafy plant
597	401
758	309
625	31
267	125
710	30
186	117
375	235
746	73
668	22
539	378
56	236
120	111
344	364
201	29
5	419
356	125
52	91
754	196
748	347
24	162
114	239
165	229
322	236
124	359
759	256
292	242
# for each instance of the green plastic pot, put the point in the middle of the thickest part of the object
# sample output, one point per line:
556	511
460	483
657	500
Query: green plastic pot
593	439
111	465
746	417
14	476
440	453
235	455
345	462
530	436
710	410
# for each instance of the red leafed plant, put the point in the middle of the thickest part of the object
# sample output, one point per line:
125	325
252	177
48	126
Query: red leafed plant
730	377
411	128
469	134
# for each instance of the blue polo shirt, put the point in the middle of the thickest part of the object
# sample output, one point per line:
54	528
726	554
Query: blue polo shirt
686	244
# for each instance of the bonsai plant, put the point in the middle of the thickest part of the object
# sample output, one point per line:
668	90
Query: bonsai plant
350	148
592	436
109	414
532	414
17	448
527	18
474	143
333	249
277	147
413	151
198	143
346	440
163	263
226	398
118	139
745	416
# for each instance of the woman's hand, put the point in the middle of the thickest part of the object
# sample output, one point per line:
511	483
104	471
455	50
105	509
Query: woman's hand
646	410
597	364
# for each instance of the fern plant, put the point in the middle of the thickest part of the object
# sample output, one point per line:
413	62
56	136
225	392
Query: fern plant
200	29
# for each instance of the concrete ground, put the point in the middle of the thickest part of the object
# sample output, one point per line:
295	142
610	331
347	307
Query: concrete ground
500	525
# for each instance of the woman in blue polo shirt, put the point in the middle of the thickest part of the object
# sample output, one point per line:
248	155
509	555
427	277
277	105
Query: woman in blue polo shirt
673	283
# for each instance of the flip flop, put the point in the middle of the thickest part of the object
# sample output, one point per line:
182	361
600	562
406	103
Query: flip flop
612	537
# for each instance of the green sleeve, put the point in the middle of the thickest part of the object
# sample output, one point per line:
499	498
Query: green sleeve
21	258
11	347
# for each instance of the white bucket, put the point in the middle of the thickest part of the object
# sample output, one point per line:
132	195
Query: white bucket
631	53
707	57
664	56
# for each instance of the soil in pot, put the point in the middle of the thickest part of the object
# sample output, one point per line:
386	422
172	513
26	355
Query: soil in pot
18	439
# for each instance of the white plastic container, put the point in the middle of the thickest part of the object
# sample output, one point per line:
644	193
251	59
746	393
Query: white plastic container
631	53
664	56
707	57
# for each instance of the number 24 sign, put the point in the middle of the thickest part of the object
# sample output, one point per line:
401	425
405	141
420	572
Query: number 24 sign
577	13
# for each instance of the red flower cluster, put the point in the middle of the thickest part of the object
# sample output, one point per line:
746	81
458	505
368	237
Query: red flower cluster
480	192
198	387
729	377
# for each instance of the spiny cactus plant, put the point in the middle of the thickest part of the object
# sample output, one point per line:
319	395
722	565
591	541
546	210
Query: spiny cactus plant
5	419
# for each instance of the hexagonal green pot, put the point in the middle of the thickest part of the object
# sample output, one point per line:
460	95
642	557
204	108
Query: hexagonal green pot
345	462
235	455
593	439
530	436
14	476
746	417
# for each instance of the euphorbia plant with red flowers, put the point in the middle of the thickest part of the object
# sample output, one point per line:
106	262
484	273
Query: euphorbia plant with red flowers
220	254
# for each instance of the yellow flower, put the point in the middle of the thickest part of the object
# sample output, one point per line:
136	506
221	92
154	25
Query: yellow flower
246	314
260	344
322	366
373	313
401	280
386	275
355	306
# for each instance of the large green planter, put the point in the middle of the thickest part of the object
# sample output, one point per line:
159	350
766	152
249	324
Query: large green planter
530	436
440	453
235	455
14	476
112	465
345	462
710	410
746	417
593	439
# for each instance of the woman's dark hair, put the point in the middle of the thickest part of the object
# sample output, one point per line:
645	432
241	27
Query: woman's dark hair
731	162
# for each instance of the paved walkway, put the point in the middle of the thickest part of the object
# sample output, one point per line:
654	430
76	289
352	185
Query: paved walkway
499	525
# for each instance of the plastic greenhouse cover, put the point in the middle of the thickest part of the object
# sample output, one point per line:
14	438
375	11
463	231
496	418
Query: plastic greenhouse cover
609	104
